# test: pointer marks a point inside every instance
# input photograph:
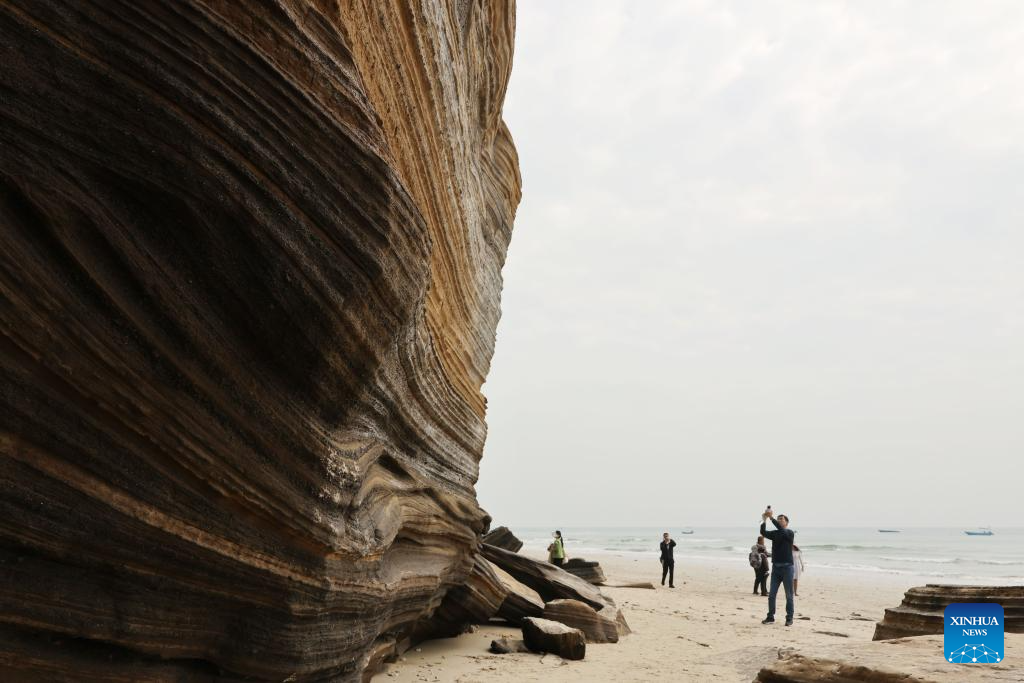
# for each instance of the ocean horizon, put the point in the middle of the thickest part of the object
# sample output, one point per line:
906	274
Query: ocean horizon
936	554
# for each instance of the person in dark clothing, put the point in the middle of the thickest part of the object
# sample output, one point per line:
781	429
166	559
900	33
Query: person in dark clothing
668	562
759	561
782	563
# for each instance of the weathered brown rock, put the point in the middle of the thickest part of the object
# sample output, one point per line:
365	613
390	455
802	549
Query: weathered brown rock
907	660
504	646
474	602
921	612
503	538
549	581
598	627
543	635
587	570
521	600
250	266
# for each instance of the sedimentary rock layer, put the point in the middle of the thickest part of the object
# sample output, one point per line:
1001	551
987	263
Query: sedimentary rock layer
502	537
250	264
921	611
588	570
551	582
542	635
598	627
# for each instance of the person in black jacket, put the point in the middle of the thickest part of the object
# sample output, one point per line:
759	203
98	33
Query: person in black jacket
782	563
668	562
759	561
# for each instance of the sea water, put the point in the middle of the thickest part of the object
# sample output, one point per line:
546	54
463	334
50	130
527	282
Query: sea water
939	555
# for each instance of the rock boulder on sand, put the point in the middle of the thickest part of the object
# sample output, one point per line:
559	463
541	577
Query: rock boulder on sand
587	570
598	627
504	646
905	660
921	611
549	581
543	635
503	538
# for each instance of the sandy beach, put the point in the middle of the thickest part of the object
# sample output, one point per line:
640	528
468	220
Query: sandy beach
707	628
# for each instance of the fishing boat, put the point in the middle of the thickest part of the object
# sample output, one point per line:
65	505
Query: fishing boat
687	532
888	531
979	532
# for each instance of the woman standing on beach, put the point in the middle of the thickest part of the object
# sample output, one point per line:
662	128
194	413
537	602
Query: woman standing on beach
798	567
556	550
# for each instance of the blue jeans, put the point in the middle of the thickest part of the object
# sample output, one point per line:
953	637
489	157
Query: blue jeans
781	573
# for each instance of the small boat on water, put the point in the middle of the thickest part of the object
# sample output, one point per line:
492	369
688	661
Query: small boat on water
687	532
888	531
979	532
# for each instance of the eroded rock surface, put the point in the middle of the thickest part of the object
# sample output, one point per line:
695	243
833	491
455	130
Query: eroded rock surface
502	537
588	570
542	635
521	600
250	263
550	582
921	611
905	660
598	627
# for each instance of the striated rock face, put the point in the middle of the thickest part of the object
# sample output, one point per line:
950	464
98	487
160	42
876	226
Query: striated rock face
550	582
922	609
250	262
542	635
502	537
588	570
598	627
474	602
521	600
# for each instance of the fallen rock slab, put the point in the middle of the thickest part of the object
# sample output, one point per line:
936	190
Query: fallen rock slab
921	612
544	635
596	626
551	582
503	538
521	600
587	570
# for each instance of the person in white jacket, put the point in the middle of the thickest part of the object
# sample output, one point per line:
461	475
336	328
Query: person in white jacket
798	567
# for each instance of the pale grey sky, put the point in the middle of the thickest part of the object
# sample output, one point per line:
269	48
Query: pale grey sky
766	253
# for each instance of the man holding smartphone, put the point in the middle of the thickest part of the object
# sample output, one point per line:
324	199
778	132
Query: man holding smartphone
668	561
782	563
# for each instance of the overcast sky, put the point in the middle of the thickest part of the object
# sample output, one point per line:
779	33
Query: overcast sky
766	253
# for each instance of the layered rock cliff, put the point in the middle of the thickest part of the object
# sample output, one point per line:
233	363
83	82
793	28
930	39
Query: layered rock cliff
250	263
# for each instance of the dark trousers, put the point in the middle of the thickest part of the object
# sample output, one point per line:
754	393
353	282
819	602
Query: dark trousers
761	579
557	561
668	569
782	574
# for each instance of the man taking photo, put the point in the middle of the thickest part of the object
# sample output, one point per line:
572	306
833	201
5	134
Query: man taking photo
668	561
782	563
